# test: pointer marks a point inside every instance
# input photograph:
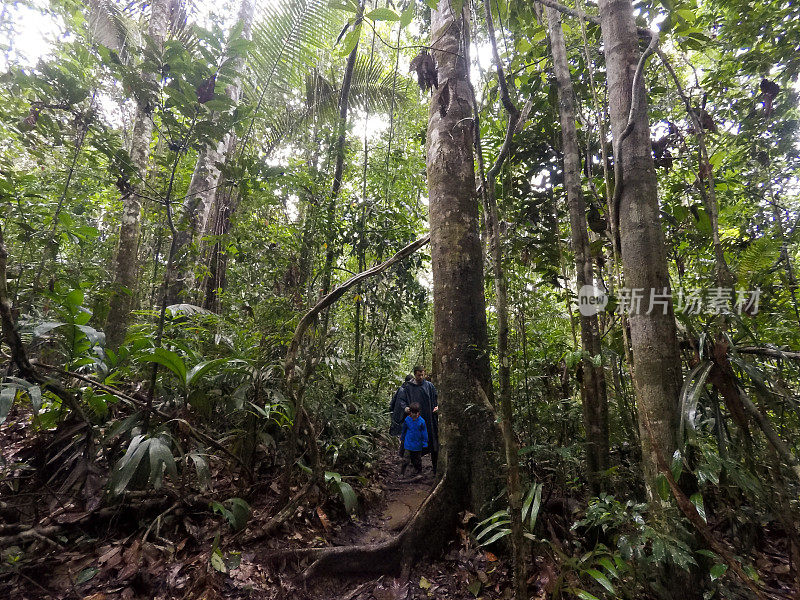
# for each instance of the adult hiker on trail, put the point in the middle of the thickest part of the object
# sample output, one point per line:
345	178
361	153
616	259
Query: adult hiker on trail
422	392
399	409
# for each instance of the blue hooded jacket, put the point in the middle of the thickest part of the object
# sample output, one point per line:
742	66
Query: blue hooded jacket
415	434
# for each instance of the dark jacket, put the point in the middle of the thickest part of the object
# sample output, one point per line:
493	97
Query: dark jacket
414	434
398	409
425	394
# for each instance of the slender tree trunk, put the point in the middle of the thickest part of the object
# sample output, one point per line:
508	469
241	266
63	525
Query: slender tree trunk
595	402
338	171
656	372
205	180
501	306
126	264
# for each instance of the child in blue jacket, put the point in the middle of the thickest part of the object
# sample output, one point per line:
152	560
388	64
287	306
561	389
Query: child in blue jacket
415	439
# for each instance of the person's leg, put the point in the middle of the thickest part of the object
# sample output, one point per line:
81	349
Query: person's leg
416	460
408	458
402	449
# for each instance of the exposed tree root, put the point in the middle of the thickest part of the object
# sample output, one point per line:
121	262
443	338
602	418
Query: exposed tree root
429	529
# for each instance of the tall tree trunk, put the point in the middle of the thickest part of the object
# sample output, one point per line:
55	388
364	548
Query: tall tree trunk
595	402
461	360
126	264
656	372
468	458
501	307
205	181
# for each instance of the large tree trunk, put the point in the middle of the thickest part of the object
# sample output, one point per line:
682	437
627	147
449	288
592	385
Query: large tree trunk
469	456
204	183
470	444
656	372
595	403
126	264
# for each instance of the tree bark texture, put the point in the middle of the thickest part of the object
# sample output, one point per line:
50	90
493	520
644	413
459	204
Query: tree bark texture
126	264
461	359
656	372
595	402
205	180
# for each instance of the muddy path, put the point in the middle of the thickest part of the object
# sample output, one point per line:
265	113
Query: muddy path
402	496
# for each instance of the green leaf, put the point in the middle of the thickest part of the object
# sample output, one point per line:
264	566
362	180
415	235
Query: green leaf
170	360
500	533
718	571
86	575
350	41
608	565
424	583
601	579
408	15
697	500
161	460
7	395
383	14
218	562
43	329
199	370
240	513
432	4
74	299
662	486
348	496
128	464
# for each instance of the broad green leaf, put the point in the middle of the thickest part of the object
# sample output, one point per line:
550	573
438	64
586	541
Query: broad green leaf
662	486
199	370
240	513
718	571
601	579
43	329
86	575
7	395
128	464
697	500
383	14
218	562
348	496
350	41
408	15
170	360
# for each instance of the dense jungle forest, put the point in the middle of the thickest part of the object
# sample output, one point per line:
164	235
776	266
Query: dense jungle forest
399	299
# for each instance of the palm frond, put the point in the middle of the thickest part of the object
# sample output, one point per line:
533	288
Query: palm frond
288	38
373	89
109	25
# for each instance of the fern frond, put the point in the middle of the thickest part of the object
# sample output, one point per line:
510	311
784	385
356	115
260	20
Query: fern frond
760	256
